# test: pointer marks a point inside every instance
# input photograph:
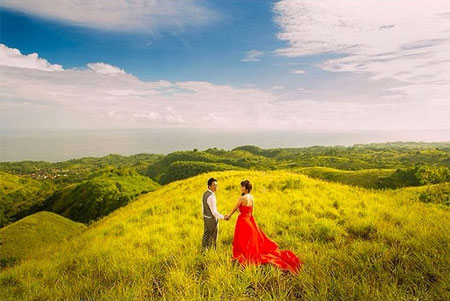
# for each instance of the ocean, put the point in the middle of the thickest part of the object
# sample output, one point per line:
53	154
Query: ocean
61	145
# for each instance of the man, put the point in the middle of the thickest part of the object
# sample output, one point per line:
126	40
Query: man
210	215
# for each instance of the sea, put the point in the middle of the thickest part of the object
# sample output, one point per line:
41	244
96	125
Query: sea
54	145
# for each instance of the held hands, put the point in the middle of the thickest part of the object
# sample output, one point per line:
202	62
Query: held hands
227	217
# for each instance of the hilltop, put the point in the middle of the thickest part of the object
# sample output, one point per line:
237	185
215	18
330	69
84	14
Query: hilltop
103	192
356	244
26	236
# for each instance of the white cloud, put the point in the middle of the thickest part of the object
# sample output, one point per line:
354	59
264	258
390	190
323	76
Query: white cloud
119	15
13	58
405	41
103	68
298	72
148	116
253	56
82	98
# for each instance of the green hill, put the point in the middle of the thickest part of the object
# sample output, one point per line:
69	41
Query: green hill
19	194
185	164
367	178
359	156
357	244
26	236
103	192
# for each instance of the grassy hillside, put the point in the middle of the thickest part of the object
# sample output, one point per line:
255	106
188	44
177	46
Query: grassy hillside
104	191
368	178
436	193
356	244
26	236
18	194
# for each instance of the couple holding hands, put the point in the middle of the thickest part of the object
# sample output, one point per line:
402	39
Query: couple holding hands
250	243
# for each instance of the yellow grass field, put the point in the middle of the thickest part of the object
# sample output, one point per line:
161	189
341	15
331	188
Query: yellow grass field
357	244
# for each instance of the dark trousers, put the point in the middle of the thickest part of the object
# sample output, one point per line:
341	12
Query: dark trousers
210	232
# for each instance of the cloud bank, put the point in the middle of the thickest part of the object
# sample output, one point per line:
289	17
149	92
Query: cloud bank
35	93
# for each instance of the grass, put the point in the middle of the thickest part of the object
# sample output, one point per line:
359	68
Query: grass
367	178
356	244
26	236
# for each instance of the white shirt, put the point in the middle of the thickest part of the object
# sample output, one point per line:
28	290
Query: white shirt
212	203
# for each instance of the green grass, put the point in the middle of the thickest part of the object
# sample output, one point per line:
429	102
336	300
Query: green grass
357	244
26	236
367	178
436	193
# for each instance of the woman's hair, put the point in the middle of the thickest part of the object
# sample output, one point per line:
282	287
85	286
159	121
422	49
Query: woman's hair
247	185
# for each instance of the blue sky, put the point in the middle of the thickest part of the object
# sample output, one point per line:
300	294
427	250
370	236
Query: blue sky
211	53
303	64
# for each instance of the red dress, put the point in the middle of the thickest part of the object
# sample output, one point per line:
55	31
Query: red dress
251	245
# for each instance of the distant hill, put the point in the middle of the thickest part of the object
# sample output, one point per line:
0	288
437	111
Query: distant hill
357	244
18	194
26	236
181	165
103	192
359	156
387	156
77	170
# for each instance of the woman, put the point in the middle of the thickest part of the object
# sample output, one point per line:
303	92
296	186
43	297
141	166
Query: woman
250	244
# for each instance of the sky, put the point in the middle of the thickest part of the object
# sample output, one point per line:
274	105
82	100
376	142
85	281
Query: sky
330	65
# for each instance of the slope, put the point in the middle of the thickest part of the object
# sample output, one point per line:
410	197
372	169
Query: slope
19	194
356	244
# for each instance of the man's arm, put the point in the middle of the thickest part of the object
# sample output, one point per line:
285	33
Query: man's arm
212	205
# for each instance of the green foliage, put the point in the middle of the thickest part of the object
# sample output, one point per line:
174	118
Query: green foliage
19	195
432	174
356	244
103	192
415	176
24	237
